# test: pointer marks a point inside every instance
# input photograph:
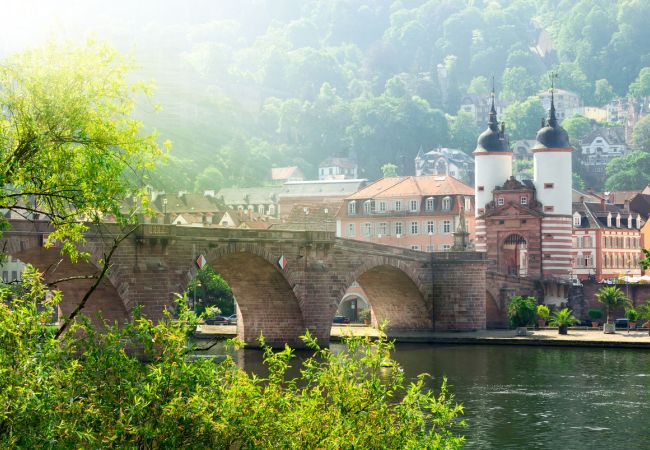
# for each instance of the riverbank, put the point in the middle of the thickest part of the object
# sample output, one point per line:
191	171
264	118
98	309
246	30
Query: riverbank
577	337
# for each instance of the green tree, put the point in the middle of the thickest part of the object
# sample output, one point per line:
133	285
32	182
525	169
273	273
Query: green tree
210	289
577	181
612	297
478	85
517	83
69	145
389	170
604	92
464	131
628	172
577	127
640	87
523	118
641	134
137	385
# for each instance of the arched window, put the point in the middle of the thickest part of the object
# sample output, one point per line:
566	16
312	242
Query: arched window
446	203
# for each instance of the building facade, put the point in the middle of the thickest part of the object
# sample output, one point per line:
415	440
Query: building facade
337	169
564	102
419	213
445	161
601	146
606	241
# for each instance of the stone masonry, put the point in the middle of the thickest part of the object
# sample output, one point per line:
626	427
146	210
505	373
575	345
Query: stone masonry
412	290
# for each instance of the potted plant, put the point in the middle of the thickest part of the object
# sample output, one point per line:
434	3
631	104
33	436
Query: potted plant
595	315
644	313
563	319
612	297
632	315
542	315
521	312
364	315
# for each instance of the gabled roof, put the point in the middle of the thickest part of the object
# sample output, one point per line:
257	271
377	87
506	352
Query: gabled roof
619	197
254	195
612	135
284	173
184	202
321	188
344	163
640	204
311	217
594	215
429	185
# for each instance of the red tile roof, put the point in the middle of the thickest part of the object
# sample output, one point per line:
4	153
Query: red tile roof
395	187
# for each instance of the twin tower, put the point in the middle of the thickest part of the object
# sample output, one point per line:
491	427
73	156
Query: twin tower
551	186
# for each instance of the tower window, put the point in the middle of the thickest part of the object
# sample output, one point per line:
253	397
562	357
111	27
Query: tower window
480	188
548	186
549	208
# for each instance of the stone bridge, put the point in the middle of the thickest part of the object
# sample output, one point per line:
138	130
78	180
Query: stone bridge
411	289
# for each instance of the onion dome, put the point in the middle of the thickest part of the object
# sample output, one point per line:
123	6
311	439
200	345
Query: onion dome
552	135
493	139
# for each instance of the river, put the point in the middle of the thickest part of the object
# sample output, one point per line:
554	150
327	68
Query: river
520	397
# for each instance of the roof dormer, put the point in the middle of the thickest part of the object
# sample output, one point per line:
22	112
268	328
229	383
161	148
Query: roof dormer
609	219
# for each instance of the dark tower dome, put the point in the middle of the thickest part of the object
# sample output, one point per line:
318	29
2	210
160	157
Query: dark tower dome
552	135
493	139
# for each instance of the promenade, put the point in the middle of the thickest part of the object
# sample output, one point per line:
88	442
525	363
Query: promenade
577	337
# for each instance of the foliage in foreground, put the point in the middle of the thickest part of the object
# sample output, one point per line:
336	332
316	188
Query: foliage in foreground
92	390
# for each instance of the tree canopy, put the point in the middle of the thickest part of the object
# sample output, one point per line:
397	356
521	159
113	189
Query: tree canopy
69	144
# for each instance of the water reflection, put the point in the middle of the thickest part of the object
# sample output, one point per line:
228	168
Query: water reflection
531	397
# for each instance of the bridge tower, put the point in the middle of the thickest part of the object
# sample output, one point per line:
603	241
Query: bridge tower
493	166
553	183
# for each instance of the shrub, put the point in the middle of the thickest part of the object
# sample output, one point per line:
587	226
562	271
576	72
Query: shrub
92	390
521	311
632	314
543	312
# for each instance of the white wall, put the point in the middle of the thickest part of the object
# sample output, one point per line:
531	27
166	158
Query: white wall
491	170
553	167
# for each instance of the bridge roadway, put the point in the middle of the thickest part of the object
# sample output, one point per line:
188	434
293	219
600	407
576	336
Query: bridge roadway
412	290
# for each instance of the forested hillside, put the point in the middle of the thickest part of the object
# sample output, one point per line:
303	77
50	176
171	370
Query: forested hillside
267	83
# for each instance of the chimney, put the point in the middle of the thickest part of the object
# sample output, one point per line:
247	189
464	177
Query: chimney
626	206
602	203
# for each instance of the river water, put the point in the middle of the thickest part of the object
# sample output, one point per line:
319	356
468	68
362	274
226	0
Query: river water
520	397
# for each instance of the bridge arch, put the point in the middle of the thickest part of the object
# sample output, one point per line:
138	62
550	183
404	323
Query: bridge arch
54	266
395	293
266	302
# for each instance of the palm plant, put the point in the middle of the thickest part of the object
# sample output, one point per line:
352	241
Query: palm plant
563	319
612	297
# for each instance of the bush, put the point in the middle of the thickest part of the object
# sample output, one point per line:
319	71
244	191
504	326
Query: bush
93	390
632	314
563	317
521	311
543	312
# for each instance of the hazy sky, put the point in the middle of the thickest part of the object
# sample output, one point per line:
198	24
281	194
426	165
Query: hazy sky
26	23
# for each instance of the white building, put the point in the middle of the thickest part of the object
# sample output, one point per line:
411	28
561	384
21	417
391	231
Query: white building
445	161
600	146
566	102
337	169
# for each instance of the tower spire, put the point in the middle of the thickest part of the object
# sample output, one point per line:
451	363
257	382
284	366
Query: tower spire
492	117
552	119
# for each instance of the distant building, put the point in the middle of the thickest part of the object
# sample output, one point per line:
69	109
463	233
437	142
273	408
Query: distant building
264	200
479	106
523	150
337	169
310	217
565	102
295	193
280	175
445	161
601	146
419	213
